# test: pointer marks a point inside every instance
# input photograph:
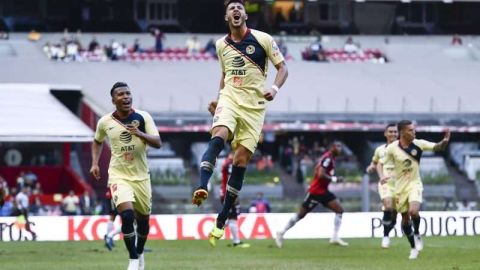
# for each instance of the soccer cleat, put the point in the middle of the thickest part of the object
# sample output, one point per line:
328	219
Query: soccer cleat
418	242
413	254
133	264
241	245
214	235
279	240
338	241
141	262
108	242
385	242
199	196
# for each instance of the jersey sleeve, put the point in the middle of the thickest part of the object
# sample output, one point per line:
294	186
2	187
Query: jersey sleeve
376	155
388	158
425	145
219	47
150	127
272	50
100	133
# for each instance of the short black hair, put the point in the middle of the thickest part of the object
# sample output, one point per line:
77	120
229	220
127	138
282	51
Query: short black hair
228	2
117	85
403	124
389	125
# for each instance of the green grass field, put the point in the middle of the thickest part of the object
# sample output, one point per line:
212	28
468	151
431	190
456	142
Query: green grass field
452	253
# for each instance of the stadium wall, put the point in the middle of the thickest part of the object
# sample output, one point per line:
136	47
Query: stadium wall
252	226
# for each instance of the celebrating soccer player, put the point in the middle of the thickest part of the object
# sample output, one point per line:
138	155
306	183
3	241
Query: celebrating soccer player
239	111
405	155
129	132
318	193
386	191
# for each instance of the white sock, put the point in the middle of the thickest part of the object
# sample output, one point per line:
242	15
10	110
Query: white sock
337	223
114	232
109	227
232	224
290	223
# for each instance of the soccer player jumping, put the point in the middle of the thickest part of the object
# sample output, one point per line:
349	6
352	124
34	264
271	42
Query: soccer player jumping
239	111
129	132
405	155
386	191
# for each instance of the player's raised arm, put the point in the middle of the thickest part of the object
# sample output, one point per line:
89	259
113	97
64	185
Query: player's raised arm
440	146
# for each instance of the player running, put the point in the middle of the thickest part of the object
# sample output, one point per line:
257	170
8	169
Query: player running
318	193
386	191
235	210
129	132
239	111
405	155
22	203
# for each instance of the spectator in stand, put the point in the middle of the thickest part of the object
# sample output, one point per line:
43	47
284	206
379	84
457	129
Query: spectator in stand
86	204
136	46
350	46
34	35
159	37
210	48
282	47
92	46
456	40
21	206
315	51
193	45
3	35
21	180
30	179
37	208
37	189
260	204
465	205
3	191
70	204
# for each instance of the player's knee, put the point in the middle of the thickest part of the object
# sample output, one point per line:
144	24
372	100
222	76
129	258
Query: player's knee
143	226
413	213
128	218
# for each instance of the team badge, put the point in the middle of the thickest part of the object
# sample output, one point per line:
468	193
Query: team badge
135	123
274	46
414	152
250	49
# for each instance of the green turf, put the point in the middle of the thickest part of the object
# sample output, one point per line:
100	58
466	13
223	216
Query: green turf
453	253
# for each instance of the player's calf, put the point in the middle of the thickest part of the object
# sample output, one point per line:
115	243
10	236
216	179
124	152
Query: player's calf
215	146
233	189
129	236
143	227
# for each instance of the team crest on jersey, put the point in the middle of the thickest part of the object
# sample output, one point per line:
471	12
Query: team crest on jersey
414	152
274	46
135	123
250	49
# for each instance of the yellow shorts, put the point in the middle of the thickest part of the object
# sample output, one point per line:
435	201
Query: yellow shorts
386	190
245	125
411	193
137	192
